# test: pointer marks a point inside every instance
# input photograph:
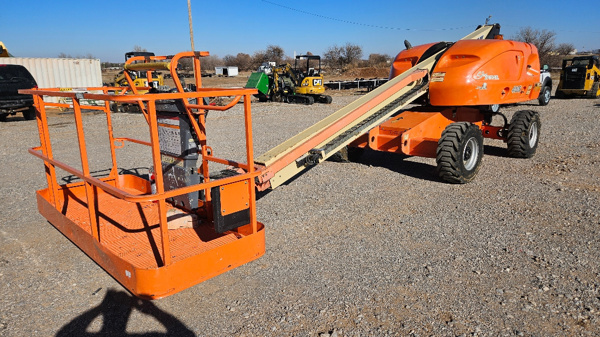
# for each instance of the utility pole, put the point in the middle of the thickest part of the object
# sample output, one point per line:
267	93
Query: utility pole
191	26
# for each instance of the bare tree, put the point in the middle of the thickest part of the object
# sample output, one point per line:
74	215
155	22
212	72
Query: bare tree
342	57
69	56
333	58
565	48
137	48
274	54
229	60
378	60
243	61
258	58
352	53
542	39
210	62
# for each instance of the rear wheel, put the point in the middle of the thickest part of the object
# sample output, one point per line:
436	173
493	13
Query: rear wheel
593	93
545	94
29	114
459	153
523	134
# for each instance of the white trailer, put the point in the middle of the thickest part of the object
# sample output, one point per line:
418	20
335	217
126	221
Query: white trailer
226	71
60	72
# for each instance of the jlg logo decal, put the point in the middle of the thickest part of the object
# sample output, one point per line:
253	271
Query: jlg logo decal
483	75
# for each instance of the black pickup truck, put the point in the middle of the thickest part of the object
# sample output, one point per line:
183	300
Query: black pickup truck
12	78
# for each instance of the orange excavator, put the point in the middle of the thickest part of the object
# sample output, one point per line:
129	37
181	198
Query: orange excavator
183	223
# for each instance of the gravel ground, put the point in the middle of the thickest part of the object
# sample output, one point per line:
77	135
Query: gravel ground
375	248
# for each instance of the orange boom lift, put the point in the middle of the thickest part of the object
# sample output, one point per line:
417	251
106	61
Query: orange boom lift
184	223
160	235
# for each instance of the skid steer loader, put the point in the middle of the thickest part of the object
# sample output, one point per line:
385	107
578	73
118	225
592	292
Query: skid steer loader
580	76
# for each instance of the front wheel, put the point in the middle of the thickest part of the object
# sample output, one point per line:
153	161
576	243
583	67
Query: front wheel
29	114
459	153
524	134
545	94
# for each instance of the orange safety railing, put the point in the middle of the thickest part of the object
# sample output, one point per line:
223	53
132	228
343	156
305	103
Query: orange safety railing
45	151
86	211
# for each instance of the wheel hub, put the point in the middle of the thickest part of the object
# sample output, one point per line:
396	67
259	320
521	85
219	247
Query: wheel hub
533	134
470	154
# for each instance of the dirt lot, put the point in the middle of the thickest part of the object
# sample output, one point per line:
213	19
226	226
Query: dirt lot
379	247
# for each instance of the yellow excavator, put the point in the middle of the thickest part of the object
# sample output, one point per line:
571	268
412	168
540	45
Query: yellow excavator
139	80
3	50
301	85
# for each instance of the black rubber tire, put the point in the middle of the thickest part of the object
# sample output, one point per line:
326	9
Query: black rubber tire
523	134
29	114
593	92
3	117
559	94
459	153
545	94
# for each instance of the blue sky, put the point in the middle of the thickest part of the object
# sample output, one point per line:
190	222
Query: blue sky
107	29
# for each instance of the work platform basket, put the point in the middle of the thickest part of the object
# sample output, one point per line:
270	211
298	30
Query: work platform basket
123	221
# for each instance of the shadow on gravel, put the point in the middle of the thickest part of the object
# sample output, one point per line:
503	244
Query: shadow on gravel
115	309
496	151
396	162
391	161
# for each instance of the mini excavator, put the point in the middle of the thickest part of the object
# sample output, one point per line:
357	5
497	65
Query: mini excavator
291	85
185	223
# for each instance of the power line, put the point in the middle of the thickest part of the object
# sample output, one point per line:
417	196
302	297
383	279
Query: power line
360	23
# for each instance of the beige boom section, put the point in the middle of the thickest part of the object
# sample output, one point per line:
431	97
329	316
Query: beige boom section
325	138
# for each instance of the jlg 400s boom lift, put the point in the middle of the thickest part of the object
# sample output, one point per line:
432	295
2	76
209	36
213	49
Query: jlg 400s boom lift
187	222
